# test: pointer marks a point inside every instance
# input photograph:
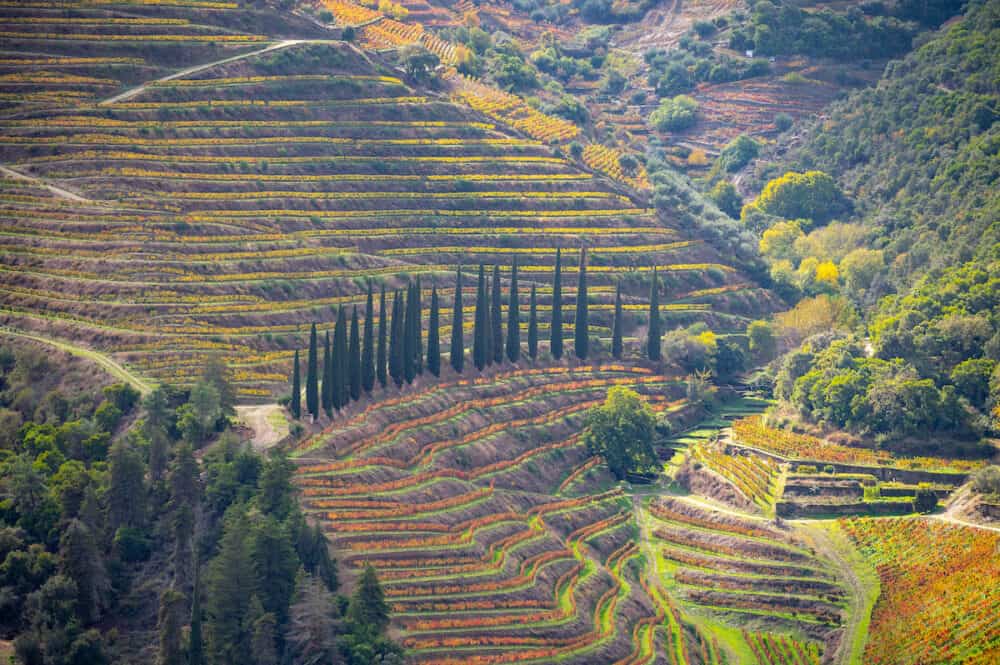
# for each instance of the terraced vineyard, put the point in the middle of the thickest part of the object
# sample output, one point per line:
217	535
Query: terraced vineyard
229	210
454	495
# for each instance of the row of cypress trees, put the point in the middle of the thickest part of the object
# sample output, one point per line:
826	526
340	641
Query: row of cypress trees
353	364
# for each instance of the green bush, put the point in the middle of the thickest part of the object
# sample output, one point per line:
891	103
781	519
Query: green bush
675	114
925	501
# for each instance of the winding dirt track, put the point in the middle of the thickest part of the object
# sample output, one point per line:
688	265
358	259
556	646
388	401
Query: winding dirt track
56	191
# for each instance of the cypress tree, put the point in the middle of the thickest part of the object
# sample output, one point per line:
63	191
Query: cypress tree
354	357
312	376
80	560
582	323
126	494
380	360
487	325
340	361
533	326
296	404
616	330
479	331
513	318
368	350
196	644
555	338
653	342
457	332
169	623
326	388
496	317
418	328
409	338
396	341
334	376
433	343
231	583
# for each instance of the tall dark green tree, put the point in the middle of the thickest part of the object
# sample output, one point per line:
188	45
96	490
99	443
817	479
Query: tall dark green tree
182	556
263	641
513	318
230	586
383	331
326	388
457	321
556	334
354	357
433	336
582	323
496	317
409	338
653	340
341	392
169	623
312	376
275	563
396	341
80	560
368	607
196	642
480	332
275	491
296	403
126	495
368	346
616	328
533	325
418	328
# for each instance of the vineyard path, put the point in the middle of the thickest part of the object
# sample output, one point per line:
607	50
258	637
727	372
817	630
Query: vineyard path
56	191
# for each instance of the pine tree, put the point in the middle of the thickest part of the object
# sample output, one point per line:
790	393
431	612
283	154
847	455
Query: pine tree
533	326
326	388
80	560
126	493
159	453
275	563
409	339
341	394
616	330
196	643
496	317
556	339
169	622
653	342
433	341
368	347
368	606
418	329
262	642
231	582
276	492
383	331
582	322
312	376
182	556
296	403
354	357
479	332
184	479
396	341
513	318
457	321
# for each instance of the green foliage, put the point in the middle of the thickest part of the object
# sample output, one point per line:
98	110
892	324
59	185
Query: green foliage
433	336
513	318
812	195
418	62
555	328
724	195
761	341
581	328
925	501
622	431
987	481
368	610
457	349
738	153
675	114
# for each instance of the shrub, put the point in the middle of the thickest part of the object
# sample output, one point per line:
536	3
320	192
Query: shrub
675	114
132	544
829	468
925	501
806	468
783	122
987	480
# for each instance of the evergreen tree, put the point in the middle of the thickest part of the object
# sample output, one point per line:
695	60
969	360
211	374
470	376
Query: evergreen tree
433	341
487	324
312	376
262	642
182	556
513	318
296	403
276	492
196	643
582	323
368	607
326	387
80	561
354	358
341	394
184	487
126	493
496	317
457	321
231	583
368	347
314	552
616	329
275	563
158	412
396	341
533	326
409	338
159	453
380	360
170	622
418	328
556	339
479	330
653	342
218	374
